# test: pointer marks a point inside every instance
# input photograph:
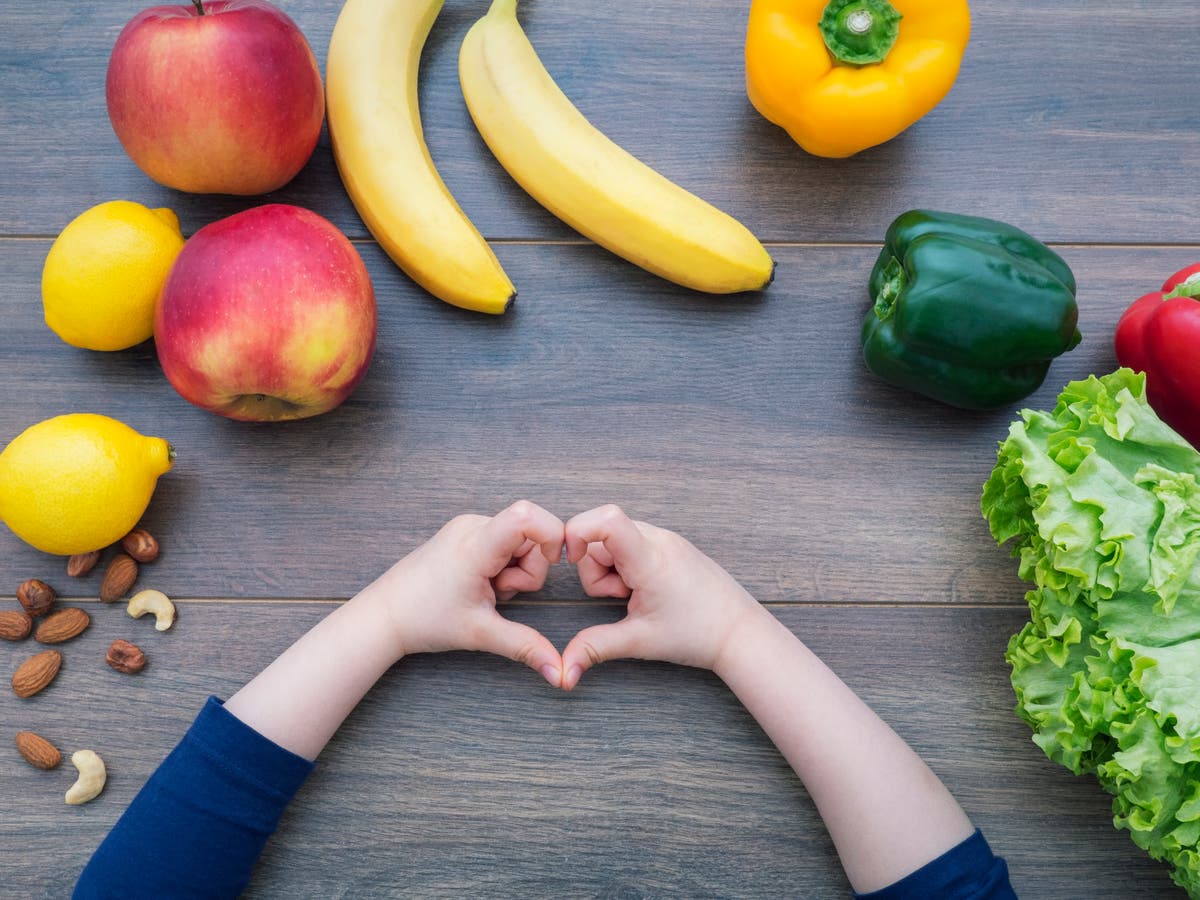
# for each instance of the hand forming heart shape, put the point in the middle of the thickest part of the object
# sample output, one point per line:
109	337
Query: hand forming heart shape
683	607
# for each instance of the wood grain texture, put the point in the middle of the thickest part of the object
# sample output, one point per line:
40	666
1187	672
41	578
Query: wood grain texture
1069	118
748	424
751	426
462	775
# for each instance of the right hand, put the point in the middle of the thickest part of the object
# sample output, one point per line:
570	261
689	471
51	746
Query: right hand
683	607
443	595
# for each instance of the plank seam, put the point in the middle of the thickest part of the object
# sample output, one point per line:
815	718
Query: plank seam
816	245
588	602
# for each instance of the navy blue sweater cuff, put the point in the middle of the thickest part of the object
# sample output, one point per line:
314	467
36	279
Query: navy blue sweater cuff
237	745
197	827
968	871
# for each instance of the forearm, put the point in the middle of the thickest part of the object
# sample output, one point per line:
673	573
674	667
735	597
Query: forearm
301	699
886	812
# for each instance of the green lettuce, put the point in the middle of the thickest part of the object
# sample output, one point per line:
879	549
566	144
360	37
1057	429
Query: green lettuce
1101	502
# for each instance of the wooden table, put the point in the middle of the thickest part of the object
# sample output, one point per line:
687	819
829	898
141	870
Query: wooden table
750	425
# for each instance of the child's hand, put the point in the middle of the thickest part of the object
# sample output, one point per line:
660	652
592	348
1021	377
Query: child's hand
442	596
683	607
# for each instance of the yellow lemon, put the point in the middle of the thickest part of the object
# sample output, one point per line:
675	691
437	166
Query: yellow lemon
104	271
77	483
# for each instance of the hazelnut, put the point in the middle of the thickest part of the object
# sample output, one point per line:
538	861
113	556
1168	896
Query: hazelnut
36	596
125	657
141	545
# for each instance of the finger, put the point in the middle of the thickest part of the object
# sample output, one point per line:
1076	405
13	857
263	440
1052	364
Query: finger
500	539
601	643
528	574
600	553
598	579
631	553
522	644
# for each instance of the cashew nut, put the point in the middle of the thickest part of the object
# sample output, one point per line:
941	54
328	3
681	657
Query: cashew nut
152	602
91	778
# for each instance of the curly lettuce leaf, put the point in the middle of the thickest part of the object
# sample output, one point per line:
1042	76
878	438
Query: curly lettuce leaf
1101	501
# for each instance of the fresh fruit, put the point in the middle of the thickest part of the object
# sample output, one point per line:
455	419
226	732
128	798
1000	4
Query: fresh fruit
78	482
35	674
267	315
968	311
846	75
103	273
37	751
221	97
589	182
1157	335
379	146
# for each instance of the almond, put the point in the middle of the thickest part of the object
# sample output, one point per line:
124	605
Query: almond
122	572
82	563
125	657
36	596
36	672
38	752
141	545
63	625
15	625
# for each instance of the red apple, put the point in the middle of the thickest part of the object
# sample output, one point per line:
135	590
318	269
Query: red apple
222	97
266	315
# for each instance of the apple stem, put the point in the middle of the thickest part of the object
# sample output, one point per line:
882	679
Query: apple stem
199	4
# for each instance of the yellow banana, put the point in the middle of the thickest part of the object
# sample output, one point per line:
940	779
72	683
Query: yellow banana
379	146
585	179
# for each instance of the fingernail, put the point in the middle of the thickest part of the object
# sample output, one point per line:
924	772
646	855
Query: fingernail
552	674
573	674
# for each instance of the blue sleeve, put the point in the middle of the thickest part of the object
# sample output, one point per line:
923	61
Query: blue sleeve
198	825
969	871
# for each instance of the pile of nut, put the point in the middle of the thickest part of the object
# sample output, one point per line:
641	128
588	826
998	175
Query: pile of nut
58	626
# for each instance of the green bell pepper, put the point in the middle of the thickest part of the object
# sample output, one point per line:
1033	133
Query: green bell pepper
968	311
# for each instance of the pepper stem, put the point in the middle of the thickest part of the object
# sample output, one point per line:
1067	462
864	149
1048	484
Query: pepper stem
199	4
860	32
895	280
1189	288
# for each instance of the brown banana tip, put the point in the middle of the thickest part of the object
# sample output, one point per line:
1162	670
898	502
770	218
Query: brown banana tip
771	277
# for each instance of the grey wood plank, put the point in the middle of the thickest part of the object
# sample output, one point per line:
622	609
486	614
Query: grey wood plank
751	426
1069	118
462	775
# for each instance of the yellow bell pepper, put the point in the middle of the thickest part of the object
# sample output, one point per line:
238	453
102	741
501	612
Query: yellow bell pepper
844	75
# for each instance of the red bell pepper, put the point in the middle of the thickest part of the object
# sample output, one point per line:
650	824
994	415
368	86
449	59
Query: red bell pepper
1160	335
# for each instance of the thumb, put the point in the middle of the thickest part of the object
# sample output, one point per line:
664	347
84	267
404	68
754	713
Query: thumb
523	644
600	643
